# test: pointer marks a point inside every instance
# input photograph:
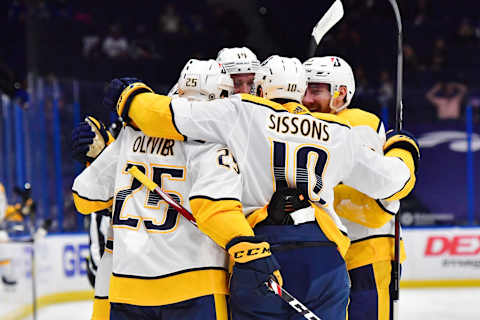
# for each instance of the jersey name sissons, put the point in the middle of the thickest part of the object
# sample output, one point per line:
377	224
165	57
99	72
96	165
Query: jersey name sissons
308	127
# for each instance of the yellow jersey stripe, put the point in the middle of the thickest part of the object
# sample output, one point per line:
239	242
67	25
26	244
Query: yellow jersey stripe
101	308
372	249
221	310
169	289
382	271
263	102
358	117
331	230
87	206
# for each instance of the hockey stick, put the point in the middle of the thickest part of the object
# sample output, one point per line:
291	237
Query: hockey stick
329	19
271	284
291	300
398	126
152	186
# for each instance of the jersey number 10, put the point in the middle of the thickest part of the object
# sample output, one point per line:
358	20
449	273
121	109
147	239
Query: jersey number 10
309	164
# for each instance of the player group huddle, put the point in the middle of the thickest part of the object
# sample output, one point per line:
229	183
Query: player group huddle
285	182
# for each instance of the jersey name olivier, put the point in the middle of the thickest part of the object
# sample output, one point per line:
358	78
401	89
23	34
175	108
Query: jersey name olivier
159	146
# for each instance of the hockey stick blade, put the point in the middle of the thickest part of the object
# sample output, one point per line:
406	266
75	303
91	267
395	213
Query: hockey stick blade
329	19
152	186
291	300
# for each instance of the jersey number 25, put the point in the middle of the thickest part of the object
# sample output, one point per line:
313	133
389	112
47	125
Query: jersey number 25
170	217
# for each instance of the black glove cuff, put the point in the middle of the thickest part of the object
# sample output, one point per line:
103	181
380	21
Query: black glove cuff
251	239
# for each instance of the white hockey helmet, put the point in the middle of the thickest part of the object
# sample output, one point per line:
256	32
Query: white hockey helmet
173	93
281	77
333	71
204	80
238	60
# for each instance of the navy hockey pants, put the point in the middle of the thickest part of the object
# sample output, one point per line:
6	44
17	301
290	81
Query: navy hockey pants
314	274
371	293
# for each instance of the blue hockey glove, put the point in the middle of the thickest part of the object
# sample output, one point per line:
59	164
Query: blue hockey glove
89	139
120	93
254	265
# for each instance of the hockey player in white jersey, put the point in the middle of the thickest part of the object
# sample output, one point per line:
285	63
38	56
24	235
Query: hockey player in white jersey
278	144
6	271
89	139
241	64
101	303
179	271
370	223
12	213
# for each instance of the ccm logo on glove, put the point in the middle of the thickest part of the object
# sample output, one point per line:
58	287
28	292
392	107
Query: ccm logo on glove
245	251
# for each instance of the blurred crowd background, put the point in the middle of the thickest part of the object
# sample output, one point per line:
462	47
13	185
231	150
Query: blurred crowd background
57	55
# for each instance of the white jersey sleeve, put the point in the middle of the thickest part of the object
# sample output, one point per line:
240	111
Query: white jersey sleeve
373	174
102	280
212	121
97	181
214	172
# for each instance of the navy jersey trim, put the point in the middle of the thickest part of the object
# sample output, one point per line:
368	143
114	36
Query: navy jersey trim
379	125
109	244
86	198
375	236
380	204
167	275
101	297
212	199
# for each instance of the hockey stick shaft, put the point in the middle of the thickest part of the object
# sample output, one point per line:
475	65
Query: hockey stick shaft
398	126
328	20
399	91
284	295
152	186
291	300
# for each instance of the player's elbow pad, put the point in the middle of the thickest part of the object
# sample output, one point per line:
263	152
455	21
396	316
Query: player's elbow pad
221	220
357	207
402	145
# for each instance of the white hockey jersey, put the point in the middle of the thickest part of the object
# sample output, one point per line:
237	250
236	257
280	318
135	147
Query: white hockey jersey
277	146
369	244
159	257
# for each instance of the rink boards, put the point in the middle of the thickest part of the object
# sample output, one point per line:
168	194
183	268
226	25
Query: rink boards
435	257
60	268
442	257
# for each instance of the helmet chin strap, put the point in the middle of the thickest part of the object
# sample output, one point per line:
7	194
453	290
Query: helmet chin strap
335	95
